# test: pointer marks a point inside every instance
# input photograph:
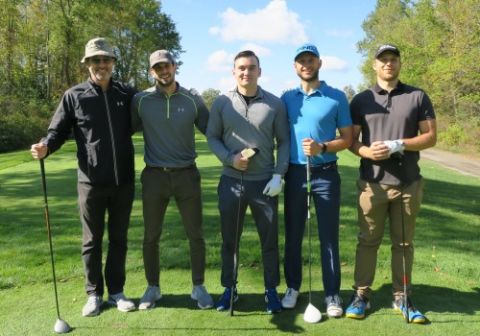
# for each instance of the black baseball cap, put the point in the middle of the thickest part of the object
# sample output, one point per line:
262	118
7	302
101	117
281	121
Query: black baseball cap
387	47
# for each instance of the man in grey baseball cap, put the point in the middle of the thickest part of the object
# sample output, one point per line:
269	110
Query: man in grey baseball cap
168	114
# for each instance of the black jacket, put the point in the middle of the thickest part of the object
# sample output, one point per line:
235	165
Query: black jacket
102	130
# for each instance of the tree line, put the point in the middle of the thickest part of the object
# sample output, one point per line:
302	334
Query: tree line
439	42
42	42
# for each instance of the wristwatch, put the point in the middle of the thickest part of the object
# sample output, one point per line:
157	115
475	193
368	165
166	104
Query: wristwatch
324	147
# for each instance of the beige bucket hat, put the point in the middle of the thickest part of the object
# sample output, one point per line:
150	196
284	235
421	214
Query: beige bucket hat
98	46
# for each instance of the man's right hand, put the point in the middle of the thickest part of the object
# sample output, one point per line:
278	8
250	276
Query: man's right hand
39	150
378	151
239	162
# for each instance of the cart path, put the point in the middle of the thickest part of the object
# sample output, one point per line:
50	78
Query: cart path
458	162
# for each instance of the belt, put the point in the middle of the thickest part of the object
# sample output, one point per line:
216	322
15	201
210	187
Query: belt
172	169
319	167
324	166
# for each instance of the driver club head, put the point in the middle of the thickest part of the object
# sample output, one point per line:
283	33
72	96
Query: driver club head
61	327
312	314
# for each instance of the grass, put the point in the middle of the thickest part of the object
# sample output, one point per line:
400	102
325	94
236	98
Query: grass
446	271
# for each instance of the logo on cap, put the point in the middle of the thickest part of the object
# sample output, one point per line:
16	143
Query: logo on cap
307	47
387	47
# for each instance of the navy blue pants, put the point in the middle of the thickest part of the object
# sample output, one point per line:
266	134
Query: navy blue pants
265	213
325	195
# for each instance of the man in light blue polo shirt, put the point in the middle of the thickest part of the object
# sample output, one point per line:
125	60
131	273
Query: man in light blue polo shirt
315	112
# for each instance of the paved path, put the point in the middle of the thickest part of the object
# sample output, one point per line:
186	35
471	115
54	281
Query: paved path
461	163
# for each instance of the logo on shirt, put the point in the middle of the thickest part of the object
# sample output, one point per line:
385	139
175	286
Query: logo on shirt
119	103
180	109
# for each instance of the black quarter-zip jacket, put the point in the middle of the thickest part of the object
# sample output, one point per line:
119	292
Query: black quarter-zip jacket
102	129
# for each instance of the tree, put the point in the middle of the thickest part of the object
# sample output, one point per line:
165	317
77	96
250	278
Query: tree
209	96
349	92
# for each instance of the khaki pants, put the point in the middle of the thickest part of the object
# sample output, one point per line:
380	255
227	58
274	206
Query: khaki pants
376	203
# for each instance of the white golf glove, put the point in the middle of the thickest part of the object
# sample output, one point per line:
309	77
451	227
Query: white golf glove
394	146
274	186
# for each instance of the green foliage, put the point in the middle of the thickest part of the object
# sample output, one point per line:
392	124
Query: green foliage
43	41
439	44
453	135
209	96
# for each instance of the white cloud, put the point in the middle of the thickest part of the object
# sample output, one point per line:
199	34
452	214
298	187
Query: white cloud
274	23
226	83
341	33
219	61
333	63
259	50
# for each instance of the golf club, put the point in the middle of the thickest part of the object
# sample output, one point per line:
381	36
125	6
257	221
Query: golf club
311	314
61	327
246	153
404	264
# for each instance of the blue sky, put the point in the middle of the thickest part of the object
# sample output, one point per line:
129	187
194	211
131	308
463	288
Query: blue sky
213	31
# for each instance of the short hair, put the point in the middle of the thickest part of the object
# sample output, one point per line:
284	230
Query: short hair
246	53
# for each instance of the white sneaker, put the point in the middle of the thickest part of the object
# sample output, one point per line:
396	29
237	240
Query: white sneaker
204	300
334	306
92	307
123	304
290	299
152	295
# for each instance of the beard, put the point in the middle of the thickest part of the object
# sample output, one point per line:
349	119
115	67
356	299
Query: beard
313	77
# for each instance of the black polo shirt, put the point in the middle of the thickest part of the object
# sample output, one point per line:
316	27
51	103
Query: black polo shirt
391	116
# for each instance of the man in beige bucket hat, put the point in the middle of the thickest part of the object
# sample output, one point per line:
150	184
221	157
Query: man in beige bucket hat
97	111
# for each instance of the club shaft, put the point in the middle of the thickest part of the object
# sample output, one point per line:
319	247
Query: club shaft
235	248
404	260
49	233
309	232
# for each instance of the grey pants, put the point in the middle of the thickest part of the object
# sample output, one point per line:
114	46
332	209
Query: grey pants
94	202
159	186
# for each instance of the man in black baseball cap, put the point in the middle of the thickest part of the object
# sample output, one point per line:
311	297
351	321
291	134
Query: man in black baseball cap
387	47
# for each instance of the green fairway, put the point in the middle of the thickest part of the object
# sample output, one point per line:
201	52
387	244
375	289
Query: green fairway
446	273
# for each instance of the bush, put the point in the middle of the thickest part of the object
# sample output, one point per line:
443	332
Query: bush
453	135
18	131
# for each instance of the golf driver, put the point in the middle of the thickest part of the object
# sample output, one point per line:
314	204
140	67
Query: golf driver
311	314
61	327
246	153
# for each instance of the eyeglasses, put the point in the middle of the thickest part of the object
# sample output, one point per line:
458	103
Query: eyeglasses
98	60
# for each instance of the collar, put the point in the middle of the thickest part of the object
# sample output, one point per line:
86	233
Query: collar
378	89
258	95
318	90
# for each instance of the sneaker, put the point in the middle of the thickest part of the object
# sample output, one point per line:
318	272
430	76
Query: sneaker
289	300
92	307
414	316
272	300
334	306
123	304
224	301
356	308
204	300
151	296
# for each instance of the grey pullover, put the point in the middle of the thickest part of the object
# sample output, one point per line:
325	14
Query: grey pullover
168	125
262	124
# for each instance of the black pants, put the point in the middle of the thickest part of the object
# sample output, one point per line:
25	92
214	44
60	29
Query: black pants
94	202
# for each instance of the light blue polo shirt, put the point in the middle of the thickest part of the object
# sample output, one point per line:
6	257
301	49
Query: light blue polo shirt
316	116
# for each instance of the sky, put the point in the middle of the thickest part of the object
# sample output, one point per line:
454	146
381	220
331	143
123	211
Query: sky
214	31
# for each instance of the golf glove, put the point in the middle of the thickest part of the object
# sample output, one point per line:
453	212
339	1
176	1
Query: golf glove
274	186
394	146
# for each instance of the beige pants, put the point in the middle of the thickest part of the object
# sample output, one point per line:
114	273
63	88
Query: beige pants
376	203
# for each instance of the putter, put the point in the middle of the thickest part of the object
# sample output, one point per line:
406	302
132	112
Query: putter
311	314
61	327
246	153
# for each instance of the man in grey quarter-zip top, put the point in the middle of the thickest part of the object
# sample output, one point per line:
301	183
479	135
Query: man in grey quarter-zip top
249	117
168	114
97	111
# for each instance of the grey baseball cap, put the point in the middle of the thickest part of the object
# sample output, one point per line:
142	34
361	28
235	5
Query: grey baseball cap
161	56
98	47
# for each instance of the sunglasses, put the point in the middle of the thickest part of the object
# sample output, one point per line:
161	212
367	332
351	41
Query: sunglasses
98	60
